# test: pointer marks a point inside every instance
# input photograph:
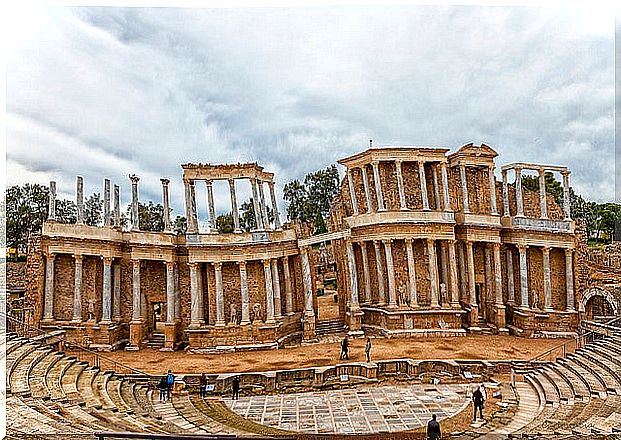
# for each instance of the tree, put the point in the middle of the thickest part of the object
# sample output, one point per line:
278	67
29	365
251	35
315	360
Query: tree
93	210
553	186
247	219
180	225
224	223
66	211
26	210
150	216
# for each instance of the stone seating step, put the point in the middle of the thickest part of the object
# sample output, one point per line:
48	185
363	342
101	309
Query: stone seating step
550	390
54	375
26	419
607	350
69	382
548	396
99	388
596	387
36	380
13	344
601	420
126	393
562	384
170	414
113	388
209	422
598	371
19	375
184	405
14	357
42	408
85	387
143	395
580	388
607	366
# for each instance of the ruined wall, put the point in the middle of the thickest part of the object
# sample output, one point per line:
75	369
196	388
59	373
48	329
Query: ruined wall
35	279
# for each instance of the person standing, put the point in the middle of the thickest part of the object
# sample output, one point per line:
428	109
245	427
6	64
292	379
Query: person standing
477	401
235	388
170	381
344	348
203	385
433	429
367	349
163	387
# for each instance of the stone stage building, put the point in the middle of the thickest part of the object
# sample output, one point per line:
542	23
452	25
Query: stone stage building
425	243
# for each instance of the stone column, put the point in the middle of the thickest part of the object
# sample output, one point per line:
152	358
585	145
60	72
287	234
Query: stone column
518	193
402	201
211	207
48	311
220	322
234	210
489	283
492	191
135	219
309	312
352	192
378	186
433	272
444	269
256	205
390	269
177	294
423	185
117	206
166	205
245	298
366	273
542	193
266	221
353	276
288	287
201	293
269	292
79	200
193	206
195	316
497	273
277	224
445	187
566	200
106	205
367	191
510	281
136	296
380	273
116	301
106	299
77	289
462	274
505	194
170	291
277	293
569	279
453	282
472	293
547	284
411	272
523	276
51	214
464	187
436	187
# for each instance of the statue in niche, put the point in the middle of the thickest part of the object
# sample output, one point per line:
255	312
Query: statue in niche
323	254
535	301
442	324
442	293
403	296
256	313
91	309
233	314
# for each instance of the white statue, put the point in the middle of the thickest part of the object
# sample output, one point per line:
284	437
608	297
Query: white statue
233	316
442	293
256	312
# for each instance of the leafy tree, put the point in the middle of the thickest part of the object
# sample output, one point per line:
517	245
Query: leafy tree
296	195
180	225
26	210
93	210
224	223
150	216
247	219
553	186
66	211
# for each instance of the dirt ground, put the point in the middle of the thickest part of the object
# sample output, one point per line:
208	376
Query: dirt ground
321	354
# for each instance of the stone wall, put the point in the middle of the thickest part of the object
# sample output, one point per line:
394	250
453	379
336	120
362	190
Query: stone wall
35	279
15	276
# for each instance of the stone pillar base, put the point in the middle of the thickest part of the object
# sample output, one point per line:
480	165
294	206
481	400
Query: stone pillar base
135	335
170	336
500	316
474	315
309	328
354	320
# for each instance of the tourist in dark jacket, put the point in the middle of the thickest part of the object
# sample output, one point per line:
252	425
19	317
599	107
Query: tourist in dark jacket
433	429
344	348
203	385
477	401
235	388
163	387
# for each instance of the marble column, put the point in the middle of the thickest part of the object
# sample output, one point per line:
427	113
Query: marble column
510	280
195	316
505	194
353	276
423	185
453	282
220	322
277	292
566	198
523	276
51	214
193	206
117	206
309	310
433	272
77	288
492	190
256	205
116	301
201	293
401	187
547	284
472	293
444	277
211	208
135	219
436	187
79	200
462	274
489	284
269	292
497	273
136	295
542	193
380	273
445	187
569	279
518	193
170	291
464	188
367	191
245	298
166	205
277	224
366	273
390	269
411	272
234	208
352	192
177	294
378	186
266	221
106	299
288	286
106	204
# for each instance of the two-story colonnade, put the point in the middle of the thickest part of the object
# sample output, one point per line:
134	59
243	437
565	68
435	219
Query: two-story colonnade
426	243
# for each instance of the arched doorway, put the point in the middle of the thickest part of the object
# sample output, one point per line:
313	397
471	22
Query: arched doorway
598	303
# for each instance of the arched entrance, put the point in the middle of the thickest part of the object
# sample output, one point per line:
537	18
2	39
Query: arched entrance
598	303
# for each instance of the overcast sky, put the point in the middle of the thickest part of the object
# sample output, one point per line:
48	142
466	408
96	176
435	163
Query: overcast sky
104	92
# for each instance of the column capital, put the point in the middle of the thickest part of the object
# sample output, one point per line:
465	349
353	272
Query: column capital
193	265
78	257
541	171
565	173
569	251
376	243
522	247
231	181
267	262
387	241
170	265
136	261
165	181
451	241
270	183
209	182
107	260
50	255
408	240
217	265
134	178
504	174
242	264
398	161
496	246
518	171
546	249
375	163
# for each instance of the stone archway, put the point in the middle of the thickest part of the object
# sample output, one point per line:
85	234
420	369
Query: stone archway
592	292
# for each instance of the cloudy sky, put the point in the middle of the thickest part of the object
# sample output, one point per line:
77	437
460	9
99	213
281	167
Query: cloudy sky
104	92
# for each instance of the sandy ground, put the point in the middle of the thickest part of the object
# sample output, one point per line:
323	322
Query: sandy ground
468	347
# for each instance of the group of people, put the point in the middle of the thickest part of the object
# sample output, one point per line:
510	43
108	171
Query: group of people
165	386
478	399
345	349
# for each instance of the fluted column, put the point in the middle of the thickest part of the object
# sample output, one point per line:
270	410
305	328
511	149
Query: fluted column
51	213
472	293
411	272
211	207
366	273
505	194
245	298
464	187
444	275
497	273
566	198
256	205
166	205
436	187
353	276
195	316
523	276
352	192
433	272
423	185
542	193
177	294
288	286
269	292
367	191
380	273
116	302
378	186
277	293
547	284
79	200
266	221
135	219
445	187
277	224
452	261
201	294
462	274
510	280
569	279
402	201
518	193
234	209
106	204
117	206
220	322
492	191
136	295
309	310
390	269
170	291
77	288
489	282
106	292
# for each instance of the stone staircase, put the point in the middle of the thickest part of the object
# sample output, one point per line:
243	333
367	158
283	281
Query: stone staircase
156	340
329	327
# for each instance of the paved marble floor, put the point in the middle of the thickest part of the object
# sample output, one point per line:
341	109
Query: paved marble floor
354	410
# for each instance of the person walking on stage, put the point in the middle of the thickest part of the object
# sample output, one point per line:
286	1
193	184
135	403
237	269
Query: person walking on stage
344	348
235	388
367	349
203	385
433	429
477	401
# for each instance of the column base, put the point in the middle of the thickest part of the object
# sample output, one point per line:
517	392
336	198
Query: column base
271	321
135	334
246	322
220	324
170	336
237	231
309	334
76	320
105	322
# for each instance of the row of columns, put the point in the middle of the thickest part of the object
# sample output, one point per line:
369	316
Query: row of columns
258	199
465	195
